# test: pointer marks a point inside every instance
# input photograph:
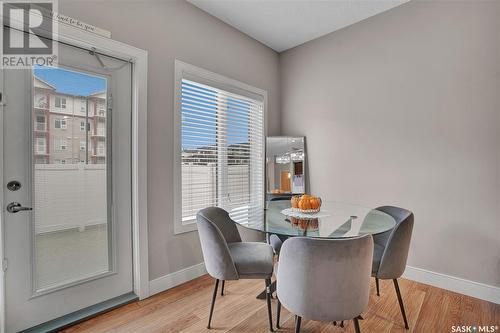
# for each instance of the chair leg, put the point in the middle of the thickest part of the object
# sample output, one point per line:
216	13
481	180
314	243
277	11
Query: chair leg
298	320
268	300
222	289
400	300
213	303
376	283
356	325
278	313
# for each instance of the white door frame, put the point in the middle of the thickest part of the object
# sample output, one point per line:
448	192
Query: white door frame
139	59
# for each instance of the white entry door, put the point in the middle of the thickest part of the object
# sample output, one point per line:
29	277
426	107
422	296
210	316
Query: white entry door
67	186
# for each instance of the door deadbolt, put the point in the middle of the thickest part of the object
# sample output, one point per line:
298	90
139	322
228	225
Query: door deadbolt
14	185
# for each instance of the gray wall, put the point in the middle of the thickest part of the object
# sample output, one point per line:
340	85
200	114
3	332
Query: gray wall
171	30
404	108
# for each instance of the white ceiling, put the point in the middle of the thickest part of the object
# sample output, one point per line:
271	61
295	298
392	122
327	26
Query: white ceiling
283	24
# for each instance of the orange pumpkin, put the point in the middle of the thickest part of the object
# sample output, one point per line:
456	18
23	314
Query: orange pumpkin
306	202
315	203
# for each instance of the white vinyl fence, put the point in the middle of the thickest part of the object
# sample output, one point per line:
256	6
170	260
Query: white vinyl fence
69	196
200	187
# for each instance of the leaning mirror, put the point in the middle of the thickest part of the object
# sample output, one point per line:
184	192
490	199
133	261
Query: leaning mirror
285	165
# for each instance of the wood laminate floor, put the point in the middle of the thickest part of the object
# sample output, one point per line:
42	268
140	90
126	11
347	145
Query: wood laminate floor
185	309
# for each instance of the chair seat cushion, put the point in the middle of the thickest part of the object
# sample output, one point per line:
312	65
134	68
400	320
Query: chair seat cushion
253	260
378	251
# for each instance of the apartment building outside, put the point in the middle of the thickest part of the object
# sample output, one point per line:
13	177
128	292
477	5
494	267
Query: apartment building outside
68	129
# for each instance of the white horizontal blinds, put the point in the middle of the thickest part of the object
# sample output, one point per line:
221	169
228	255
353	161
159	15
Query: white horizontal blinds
222	150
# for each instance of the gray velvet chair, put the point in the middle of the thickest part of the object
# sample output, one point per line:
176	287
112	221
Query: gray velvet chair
276	243
275	240
391	251
325	279
228	258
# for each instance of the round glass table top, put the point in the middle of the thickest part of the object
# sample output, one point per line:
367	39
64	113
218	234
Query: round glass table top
336	220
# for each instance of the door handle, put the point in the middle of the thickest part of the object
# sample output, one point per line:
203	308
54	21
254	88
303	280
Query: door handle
15	207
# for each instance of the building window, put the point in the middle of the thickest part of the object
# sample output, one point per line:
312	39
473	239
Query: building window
102	109
60	123
40	146
40	123
60	144
83	145
101	128
82	126
101	148
60	102
220	140
83	105
41	101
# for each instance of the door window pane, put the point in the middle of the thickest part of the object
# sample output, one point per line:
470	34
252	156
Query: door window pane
71	218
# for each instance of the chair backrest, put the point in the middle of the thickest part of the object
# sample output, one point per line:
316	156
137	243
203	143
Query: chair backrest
276	243
325	279
215	230
397	244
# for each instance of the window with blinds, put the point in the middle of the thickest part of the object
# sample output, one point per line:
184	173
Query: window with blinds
222	145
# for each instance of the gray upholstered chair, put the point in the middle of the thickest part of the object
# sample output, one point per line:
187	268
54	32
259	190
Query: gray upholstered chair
325	279
275	240
228	258
391	251
276	243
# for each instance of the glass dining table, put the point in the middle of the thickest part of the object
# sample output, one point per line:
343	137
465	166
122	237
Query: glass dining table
335	220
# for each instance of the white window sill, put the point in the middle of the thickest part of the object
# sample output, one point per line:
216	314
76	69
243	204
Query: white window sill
185	226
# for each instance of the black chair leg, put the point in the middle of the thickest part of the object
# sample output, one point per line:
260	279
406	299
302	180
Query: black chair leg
356	325
376	283
400	300
298	321
278	314
213	303
222	289
268	300
262	295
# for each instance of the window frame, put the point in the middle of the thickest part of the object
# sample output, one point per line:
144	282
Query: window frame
203	76
62	123
83	104
84	145
61	104
60	144
37	123
37	146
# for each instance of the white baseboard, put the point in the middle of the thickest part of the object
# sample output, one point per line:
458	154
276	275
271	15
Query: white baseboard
176	278
462	286
458	285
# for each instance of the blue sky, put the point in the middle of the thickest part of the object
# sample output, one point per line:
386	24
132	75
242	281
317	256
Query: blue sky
69	82
204	123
